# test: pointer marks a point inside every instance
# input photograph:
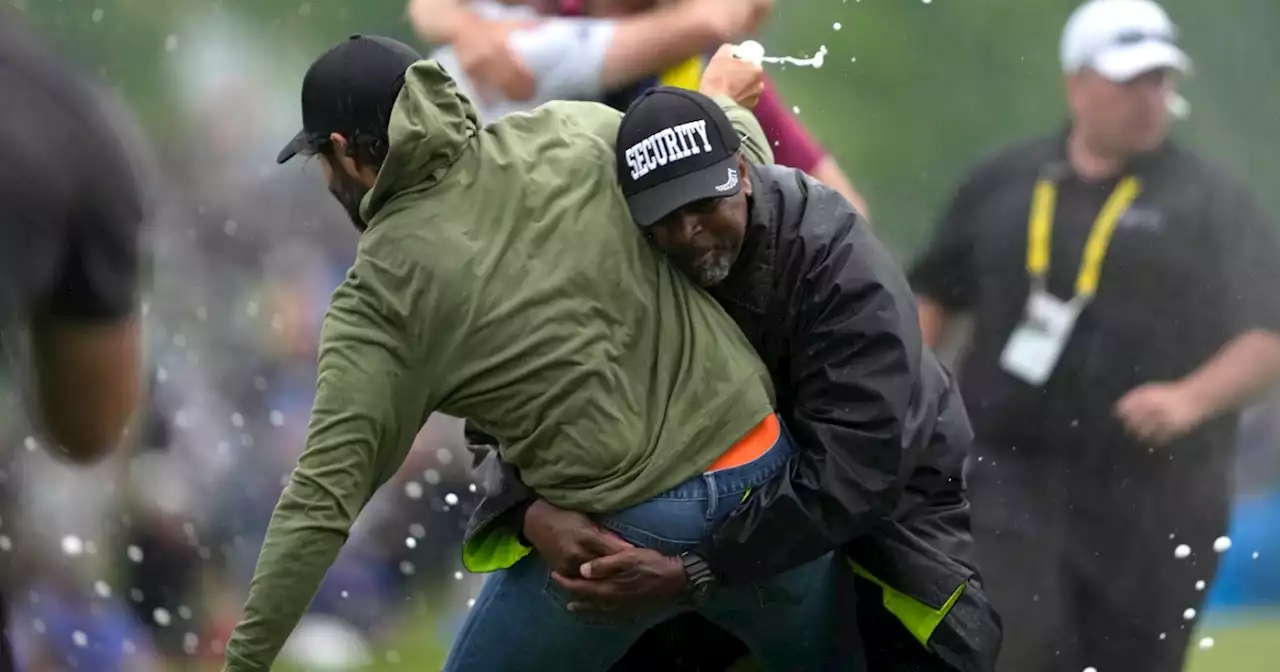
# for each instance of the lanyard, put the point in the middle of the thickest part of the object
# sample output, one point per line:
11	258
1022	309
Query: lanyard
1040	232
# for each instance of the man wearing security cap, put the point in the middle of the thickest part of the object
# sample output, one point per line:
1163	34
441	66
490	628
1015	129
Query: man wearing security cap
499	279
1122	291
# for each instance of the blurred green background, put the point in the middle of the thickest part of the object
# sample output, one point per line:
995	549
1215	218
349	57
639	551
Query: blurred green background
913	92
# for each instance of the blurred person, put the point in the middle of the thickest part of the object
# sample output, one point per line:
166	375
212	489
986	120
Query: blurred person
511	56
68	249
838	332
1124	298
576	356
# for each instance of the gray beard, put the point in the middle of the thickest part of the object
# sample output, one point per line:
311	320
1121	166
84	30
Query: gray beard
714	272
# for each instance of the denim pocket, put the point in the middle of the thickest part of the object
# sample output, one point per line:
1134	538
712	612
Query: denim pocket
561	598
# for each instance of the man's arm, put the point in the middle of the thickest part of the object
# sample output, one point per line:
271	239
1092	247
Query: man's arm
371	399
855	365
85	335
569	58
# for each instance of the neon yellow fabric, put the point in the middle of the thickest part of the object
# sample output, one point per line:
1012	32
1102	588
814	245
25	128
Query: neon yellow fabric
492	549
919	618
686	75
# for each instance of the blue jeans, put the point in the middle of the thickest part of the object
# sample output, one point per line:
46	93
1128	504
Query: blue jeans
520	621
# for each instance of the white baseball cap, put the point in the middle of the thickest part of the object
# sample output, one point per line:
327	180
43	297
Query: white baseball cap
1121	39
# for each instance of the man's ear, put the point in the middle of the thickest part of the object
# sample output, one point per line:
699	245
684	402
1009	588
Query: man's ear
344	154
744	175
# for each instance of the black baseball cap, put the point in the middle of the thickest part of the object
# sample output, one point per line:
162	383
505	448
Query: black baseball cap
349	89
675	146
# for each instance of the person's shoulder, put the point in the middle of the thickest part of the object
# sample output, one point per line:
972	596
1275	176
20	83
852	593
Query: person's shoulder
1196	171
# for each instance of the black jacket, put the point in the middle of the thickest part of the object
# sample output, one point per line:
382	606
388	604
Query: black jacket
881	429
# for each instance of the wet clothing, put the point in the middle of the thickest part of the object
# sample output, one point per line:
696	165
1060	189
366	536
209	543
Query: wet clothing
882	431
500	279
1076	521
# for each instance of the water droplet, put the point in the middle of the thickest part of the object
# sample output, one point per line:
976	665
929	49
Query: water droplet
431	476
406	568
1222	544
413	490
1182	551
161	616
796	109
5	543
237	420
451	499
277	419
417	531
471	488
1189	614
457	576
128	647
393	656
304	9
1255	555
202	313
411	542
97	15
1206	643
135	594
345	594
71	545
134	553
184	612
171	43
471	603
836	26
1199	585
1090	669
251	309
162	374
79	639
102	589
190	642
38	625
1163	636
1171	535
30	443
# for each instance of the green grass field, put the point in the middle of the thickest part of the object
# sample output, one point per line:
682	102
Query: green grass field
1245	645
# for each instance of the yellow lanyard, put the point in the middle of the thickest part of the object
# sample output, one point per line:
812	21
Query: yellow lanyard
1040	232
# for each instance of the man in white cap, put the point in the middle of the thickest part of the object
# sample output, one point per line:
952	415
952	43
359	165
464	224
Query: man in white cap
1123	296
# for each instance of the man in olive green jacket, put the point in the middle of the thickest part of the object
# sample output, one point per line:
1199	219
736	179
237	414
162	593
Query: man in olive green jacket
498	278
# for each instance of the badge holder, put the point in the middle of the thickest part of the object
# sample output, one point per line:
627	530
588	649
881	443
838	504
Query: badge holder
1037	342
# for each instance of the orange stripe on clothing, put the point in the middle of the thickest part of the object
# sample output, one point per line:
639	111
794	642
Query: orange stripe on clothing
757	442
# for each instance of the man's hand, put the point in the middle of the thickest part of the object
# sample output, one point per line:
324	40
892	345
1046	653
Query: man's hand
1158	413
732	77
629	580
487	59
568	539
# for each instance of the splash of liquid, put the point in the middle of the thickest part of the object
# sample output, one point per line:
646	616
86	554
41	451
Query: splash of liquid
814	62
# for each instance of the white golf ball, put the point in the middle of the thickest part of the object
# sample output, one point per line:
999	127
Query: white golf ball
750	51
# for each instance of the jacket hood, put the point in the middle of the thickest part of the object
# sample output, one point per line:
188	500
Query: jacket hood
431	125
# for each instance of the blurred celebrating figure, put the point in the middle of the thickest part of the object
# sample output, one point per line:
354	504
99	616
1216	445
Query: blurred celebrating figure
1124	297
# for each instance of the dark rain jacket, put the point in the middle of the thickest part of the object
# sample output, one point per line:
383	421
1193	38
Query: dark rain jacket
882	431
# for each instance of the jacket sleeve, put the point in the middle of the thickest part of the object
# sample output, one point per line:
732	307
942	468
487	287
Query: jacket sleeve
755	146
854	351
370	402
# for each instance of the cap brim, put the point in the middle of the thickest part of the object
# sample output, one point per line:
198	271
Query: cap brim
295	147
1124	63
716	181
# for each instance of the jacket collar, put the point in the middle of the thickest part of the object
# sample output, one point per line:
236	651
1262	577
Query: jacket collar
750	281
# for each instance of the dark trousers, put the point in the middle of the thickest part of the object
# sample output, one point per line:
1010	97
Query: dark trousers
1081	565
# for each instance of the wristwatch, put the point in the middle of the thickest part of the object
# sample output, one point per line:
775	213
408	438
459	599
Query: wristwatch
700	578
